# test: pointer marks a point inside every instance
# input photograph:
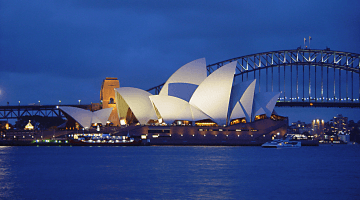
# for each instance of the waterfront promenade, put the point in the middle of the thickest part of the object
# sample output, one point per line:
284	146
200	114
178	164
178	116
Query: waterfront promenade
19	135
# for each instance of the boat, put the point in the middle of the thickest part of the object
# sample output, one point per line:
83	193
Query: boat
104	140
89	139
280	143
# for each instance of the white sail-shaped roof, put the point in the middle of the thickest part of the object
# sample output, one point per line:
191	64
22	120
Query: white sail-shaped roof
139	103
237	112
247	100
213	94
101	116
267	101
257	110
197	114
242	92
82	116
235	97
169	107
173	108
85	117
272	102
193	72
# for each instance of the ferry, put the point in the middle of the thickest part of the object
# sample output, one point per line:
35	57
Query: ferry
279	143
90	139
104	140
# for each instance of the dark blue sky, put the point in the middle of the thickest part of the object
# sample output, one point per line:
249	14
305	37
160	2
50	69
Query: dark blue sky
62	49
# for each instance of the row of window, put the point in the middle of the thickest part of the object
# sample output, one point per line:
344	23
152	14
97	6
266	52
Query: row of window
201	129
158	136
159	131
238	130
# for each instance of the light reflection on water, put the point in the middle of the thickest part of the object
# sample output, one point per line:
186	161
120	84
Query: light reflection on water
6	184
179	172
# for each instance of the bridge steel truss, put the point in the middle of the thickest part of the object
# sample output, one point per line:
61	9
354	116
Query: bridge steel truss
303	76
15	112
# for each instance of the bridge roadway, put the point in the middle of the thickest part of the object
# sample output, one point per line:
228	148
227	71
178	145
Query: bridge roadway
318	104
14	112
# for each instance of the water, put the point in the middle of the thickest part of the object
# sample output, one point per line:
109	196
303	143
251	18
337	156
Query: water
168	172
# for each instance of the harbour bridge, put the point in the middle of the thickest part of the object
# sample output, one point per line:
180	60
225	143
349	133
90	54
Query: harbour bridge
305	77
16	112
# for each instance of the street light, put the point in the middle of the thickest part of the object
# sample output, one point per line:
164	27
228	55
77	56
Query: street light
59	102
79	101
19	103
39	102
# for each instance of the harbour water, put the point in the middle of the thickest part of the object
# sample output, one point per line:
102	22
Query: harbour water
174	172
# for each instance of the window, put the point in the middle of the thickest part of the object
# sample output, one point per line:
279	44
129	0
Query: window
111	101
159	131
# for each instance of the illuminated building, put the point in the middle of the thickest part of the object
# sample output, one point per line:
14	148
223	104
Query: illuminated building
29	126
339	128
190	99
317	127
340	125
298	127
107	98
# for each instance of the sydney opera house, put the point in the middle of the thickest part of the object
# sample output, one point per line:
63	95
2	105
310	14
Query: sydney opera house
193	108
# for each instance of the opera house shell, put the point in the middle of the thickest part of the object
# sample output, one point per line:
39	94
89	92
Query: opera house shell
195	108
86	118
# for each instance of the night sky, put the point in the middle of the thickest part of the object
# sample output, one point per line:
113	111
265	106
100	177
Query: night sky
63	49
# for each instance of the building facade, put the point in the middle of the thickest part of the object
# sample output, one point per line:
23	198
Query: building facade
107	98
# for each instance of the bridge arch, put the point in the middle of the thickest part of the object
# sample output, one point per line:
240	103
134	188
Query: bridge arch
334	59
303	75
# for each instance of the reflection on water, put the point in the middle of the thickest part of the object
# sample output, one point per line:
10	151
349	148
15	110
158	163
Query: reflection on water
179	172
6	184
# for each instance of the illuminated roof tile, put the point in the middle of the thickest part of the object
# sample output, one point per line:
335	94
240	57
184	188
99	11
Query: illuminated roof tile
243	92
139	103
85	117
267	101
213	94
173	108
